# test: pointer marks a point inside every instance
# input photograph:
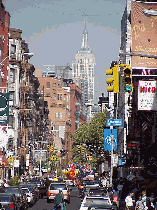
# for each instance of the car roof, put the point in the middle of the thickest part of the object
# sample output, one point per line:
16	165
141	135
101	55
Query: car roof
6	194
58	183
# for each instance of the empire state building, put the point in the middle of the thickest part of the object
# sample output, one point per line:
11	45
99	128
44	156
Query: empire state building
83	72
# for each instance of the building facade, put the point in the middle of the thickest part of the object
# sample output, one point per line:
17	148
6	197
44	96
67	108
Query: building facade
83	73
138	34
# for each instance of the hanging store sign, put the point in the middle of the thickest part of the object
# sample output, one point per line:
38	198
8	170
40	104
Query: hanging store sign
132	145
4	108
147	95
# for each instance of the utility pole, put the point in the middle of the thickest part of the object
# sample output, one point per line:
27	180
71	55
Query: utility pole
40	161
112	147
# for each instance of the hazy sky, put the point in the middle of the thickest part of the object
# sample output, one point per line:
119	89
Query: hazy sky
53	30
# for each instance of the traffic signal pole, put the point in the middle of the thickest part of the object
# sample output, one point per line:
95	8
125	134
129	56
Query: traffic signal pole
112	146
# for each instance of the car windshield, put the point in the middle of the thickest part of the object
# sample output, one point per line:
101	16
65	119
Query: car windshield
26	190
96	192
99	202
5	198
58	187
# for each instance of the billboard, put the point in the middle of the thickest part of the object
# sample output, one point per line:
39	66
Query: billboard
107	139
147	95
144	33
4	108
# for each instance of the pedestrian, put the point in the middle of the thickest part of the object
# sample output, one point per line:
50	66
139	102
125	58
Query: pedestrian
155	203
104	181
147	201
140	204
129	201
120	188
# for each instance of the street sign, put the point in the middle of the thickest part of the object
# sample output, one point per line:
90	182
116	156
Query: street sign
114	122
107	139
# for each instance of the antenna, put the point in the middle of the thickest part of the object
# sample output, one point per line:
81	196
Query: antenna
85	33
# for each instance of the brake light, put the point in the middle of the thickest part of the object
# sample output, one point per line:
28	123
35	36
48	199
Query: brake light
49	193
66	193
53	193
11	206
21	199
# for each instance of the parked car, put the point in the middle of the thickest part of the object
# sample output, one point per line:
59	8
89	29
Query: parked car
8	201
54	189
21	196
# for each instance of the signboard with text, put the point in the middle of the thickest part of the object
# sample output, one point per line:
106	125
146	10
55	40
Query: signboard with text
114	122
147	95
107	139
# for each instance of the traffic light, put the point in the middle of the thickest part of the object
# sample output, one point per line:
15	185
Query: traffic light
82	150
113	81
89	157
128	79
53	158
52	148
79	149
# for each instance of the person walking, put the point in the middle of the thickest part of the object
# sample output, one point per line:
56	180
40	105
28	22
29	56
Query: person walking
120	188
129	201
140	204
155	203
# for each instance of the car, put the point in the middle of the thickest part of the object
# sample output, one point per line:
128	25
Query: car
21	196
8	201
96	202
91	185
97	192
54	188
33	188
29	195
40	185
69	182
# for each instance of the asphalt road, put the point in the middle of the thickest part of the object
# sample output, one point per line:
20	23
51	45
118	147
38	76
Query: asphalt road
41	204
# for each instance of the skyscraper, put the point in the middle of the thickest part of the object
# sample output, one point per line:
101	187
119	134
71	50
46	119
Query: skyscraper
83	72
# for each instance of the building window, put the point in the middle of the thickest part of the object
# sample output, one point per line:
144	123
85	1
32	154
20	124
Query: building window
48	94
13	51
60	96
56	115
60	115
48	85
54	96
59	105
12	76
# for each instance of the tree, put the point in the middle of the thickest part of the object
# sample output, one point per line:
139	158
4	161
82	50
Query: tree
91	135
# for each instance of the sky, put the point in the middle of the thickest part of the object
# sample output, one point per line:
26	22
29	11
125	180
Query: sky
53	30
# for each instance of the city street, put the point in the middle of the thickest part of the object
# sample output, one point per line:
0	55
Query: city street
41	204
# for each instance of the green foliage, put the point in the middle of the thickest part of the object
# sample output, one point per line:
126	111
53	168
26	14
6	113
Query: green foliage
90	135
14	181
